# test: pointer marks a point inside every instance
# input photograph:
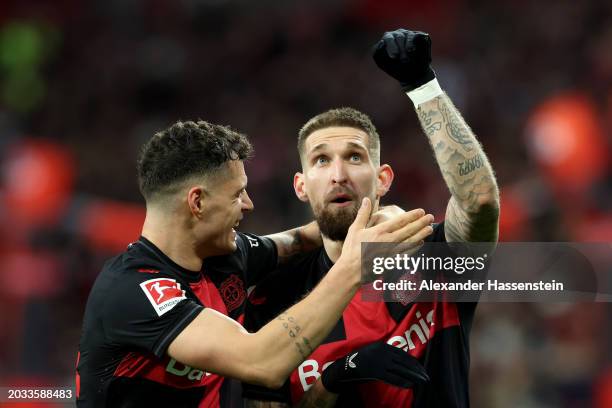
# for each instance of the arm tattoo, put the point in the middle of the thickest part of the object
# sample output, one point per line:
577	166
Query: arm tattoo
455	127
291	246
427	119
302	344
473	211
296	241
468	166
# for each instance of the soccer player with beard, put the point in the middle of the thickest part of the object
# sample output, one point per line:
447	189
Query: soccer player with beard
156	330
340	157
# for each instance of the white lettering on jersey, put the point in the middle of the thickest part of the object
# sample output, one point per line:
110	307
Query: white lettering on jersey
309	369
182	370
350	361
252	241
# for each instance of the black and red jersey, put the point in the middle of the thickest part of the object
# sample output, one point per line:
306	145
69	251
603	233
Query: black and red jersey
138	305
437	333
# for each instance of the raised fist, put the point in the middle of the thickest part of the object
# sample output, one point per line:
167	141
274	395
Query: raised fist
406	56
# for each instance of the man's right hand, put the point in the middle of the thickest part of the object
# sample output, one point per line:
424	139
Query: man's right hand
410	227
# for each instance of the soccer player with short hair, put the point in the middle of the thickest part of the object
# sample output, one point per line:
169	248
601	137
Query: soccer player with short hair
156	330
340	156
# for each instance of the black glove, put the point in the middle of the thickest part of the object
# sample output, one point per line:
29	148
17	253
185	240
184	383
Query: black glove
376	361
405	55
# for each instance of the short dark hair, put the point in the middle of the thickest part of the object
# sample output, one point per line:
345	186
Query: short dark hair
348	117
184	150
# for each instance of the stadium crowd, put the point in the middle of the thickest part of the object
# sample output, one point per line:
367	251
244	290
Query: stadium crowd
82	85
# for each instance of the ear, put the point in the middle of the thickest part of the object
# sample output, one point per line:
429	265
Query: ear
300	187
384	180
195	200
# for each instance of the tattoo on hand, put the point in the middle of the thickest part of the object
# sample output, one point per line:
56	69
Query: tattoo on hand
470	165
454	126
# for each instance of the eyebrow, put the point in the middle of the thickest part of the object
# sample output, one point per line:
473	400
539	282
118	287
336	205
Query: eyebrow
242	187
323	146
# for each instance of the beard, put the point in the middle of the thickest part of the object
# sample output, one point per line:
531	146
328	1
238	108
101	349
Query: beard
334	224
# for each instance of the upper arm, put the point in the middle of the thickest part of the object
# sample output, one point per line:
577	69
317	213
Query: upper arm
218	344
134	317
296	240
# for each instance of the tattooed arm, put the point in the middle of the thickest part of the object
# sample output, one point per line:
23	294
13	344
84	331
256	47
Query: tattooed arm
296	240
214	343
472	213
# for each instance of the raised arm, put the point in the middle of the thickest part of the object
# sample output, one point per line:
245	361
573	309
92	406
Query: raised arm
472	213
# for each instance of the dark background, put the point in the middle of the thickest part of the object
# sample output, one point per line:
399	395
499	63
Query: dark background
84	84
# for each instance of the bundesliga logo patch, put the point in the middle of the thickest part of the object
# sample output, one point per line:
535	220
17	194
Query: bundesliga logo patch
163	293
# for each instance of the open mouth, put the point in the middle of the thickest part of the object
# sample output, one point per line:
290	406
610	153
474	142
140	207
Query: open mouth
343	199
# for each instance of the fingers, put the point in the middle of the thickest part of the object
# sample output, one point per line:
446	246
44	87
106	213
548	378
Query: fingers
420	235
421	226
397	380
390	44
363	215
399	221
412	372
400	39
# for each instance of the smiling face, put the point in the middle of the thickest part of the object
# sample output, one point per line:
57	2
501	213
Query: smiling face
219	208
338	173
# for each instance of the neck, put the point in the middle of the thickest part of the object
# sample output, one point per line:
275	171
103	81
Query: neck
170	235
332	248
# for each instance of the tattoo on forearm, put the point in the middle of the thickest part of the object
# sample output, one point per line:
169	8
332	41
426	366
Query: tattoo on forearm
440	146
455	127
427	119
473	211
287	249
293	330
470	165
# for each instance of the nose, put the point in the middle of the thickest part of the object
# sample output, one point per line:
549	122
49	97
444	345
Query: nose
247	204
339	175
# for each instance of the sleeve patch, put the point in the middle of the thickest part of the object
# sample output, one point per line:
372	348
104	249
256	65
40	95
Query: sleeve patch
163	293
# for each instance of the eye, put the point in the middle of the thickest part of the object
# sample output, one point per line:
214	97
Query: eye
321	160
355	158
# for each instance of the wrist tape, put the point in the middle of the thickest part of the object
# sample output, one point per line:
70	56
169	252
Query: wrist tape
425	92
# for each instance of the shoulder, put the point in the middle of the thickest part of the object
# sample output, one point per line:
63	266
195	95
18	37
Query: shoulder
290	280
132	279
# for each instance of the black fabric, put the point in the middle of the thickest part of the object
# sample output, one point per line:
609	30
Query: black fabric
406	56
254	258
122	351
446	358
119	318
375	362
